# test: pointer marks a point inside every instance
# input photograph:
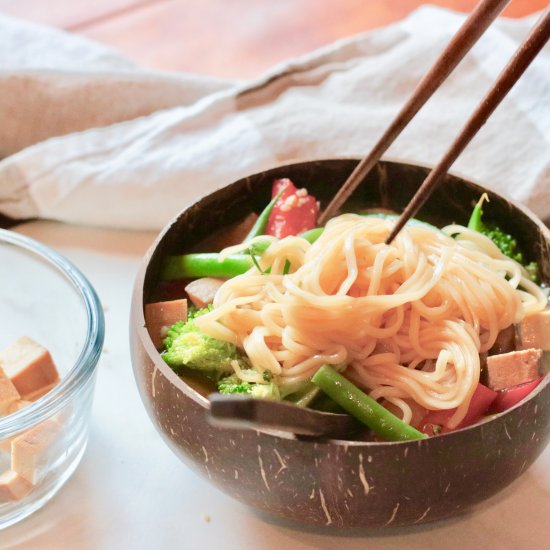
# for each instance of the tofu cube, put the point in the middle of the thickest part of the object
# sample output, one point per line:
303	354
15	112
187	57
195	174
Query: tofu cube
13	486
202	291
16	406
514	368
5	459
161	315
8	392
5	444
30	367
33	451
534	331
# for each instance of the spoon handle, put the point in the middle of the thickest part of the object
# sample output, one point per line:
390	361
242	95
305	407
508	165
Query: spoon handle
468	34
238	411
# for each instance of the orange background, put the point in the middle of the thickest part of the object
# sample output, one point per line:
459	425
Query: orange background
226	38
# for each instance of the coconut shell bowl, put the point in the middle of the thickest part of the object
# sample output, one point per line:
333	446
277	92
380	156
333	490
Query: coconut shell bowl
335	482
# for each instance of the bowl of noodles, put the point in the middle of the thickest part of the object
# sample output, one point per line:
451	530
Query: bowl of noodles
413	324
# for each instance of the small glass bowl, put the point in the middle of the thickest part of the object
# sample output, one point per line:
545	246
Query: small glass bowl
43	296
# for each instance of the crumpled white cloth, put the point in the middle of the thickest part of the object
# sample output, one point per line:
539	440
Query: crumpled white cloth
87	137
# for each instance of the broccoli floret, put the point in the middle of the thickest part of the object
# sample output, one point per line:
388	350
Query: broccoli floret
507	244
186	346
533	270
234	385
265	391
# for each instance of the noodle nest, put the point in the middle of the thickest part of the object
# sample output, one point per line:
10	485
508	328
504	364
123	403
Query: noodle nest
407	321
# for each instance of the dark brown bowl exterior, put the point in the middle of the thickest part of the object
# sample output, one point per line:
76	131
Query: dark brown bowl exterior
328	482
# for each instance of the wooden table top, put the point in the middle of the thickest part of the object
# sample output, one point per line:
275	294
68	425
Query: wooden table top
234	39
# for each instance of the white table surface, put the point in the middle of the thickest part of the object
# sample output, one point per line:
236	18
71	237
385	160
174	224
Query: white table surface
131	492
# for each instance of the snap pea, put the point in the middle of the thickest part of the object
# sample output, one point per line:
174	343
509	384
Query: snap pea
194	266
207	264
364	408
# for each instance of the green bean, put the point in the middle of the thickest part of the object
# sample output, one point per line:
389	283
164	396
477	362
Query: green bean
207	264
261	223
259	247
364	408
193	266
312	234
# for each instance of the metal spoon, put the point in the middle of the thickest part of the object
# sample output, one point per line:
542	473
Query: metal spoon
239	411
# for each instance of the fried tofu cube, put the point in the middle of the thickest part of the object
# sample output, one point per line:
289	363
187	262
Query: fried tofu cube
13	486
202	291
32	451
159	316
5	458
5	444
16	406
534	331
8	392
511	369
30	367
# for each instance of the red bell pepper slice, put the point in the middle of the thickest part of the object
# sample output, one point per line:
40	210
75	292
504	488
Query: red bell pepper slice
436	421
294	212
510	396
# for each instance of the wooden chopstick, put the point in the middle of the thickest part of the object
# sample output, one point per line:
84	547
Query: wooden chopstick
517	65
468	34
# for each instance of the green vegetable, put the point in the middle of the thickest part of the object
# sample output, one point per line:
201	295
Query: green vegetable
194	266
258	248
304	396
364	408
532	269
234	385
312	234
186	346
261	223
507	244
475	222
208	264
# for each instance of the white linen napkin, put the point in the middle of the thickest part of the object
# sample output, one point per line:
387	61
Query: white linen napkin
87	137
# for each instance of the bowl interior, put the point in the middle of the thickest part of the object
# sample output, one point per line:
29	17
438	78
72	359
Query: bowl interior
390	186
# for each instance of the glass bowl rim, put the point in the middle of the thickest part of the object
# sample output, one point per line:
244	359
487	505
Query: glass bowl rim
83	368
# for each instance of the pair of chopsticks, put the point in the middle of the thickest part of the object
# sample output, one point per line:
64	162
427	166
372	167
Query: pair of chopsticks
468	34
